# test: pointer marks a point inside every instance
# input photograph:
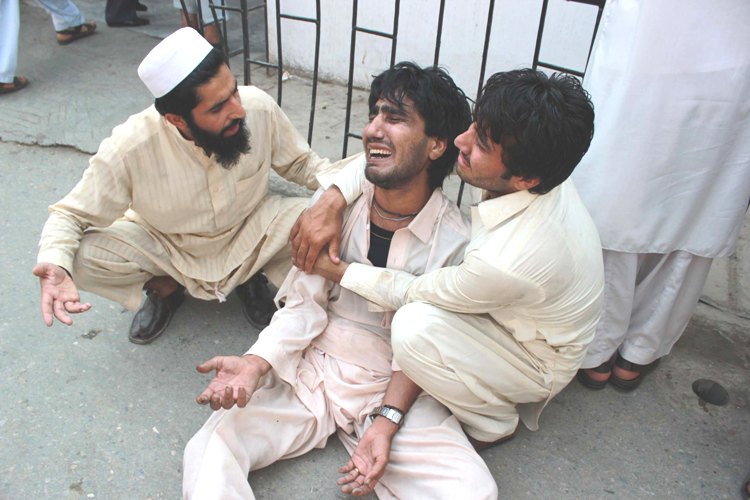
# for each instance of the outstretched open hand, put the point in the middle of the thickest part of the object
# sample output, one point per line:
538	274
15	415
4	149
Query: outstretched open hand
59	294
369	459
235	381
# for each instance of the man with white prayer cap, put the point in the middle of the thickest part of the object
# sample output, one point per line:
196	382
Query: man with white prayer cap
176	200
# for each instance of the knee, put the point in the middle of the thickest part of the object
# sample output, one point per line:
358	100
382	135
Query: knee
410	332
474	472
195	449
91	250
491	488
483	484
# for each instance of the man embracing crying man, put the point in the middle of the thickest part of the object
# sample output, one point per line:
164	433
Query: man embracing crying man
428	338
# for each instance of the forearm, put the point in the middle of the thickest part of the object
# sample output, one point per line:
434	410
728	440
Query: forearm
306	169
385	287
330	270
401	392
333	200
318	227
60	239
294	160
472	287
347	175
100	197
293	328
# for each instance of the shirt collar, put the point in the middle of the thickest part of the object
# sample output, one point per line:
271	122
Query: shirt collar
186	142
496	210
423	225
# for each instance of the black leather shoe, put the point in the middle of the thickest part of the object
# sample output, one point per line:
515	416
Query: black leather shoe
257	301
140	7
154	315
130	23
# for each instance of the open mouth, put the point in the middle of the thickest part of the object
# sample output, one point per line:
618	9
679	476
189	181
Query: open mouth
378	153
232	129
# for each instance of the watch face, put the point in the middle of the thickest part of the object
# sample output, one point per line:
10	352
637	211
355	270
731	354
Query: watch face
393	415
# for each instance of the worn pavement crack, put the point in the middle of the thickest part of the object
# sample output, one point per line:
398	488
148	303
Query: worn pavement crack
44	145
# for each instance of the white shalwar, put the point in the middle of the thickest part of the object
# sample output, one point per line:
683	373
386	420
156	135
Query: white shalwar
667	177
332	361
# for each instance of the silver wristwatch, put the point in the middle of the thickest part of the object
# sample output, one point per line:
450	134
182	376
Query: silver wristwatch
391	413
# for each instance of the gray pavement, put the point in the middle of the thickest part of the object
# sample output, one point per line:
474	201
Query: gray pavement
89	415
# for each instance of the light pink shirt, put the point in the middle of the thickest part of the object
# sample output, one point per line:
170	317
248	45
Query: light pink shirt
341	323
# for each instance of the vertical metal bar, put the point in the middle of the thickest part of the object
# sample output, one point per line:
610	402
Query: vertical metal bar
593	37
223	30
245	42
279	71
439	33
199	27
539	33
315	73
350	82
395	32
485	51
199	19
221	27
265	22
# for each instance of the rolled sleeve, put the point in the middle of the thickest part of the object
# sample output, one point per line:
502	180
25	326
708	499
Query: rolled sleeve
293	327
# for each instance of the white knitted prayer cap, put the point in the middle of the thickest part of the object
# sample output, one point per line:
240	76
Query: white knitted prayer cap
173	59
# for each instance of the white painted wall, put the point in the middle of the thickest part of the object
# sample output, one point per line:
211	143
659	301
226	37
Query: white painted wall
568	31
514	26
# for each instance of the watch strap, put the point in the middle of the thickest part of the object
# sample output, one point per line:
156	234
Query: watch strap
390	412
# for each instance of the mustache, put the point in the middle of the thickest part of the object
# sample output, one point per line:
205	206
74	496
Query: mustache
231	125
383	142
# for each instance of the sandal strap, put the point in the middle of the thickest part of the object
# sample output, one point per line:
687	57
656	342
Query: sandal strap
605	367
77	29
70	31
623	363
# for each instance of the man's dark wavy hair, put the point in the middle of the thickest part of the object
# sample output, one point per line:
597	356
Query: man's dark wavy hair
184	97
438	100
543	123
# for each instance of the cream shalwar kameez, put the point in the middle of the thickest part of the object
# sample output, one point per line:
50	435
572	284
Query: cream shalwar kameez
152	203
500	334
667	177
332	360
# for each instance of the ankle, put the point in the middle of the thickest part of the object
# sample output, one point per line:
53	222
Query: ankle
597	375
164	286
624	374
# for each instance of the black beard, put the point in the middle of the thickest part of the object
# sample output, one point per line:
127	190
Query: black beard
227	149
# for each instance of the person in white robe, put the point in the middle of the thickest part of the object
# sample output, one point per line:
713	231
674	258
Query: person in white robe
667	177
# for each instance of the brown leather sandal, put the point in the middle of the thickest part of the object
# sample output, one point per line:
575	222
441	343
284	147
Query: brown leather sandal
70	35
18	83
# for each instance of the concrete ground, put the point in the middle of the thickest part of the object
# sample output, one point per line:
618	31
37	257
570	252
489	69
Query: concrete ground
89	415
